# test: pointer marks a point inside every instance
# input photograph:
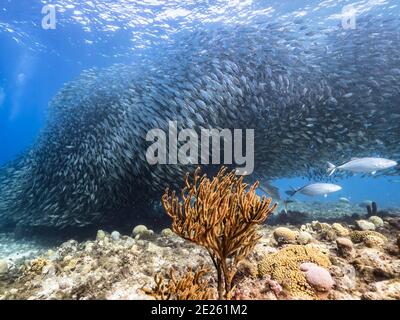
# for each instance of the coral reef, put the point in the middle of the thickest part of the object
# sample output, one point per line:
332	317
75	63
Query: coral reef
284	235
3	267
191	286
389	289
221	215
344	246
365	225
36	266
141	232
284	267
319	278
340	230
108	267
304	238
329	232
361	236
377	221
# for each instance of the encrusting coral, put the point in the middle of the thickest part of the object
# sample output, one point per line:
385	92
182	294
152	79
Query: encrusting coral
284	267
191	286
221	215
361	236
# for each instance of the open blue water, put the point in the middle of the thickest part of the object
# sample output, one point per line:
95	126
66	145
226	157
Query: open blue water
35	63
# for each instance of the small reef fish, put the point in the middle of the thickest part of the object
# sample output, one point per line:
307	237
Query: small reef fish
315	189
363	165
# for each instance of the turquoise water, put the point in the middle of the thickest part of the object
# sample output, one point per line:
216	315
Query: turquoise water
383	190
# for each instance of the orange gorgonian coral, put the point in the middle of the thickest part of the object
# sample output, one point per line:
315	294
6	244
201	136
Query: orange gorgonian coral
191	286
221	215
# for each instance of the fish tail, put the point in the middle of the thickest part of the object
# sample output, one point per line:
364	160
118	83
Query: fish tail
331	168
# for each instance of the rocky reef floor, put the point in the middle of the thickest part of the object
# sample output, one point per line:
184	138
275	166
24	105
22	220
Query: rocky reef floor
355	259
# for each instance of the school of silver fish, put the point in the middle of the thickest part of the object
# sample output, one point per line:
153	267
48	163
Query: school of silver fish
312	97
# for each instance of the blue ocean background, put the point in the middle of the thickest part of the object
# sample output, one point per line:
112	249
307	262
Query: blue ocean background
35	63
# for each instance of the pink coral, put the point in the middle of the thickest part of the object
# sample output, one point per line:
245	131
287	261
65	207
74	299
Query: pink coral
319	278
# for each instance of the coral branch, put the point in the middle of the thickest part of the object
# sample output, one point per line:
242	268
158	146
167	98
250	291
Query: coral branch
190	287
221	215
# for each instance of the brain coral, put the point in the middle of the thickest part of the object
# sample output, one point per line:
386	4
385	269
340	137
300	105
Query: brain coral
374	241
284	235
284	267
361	236
340	230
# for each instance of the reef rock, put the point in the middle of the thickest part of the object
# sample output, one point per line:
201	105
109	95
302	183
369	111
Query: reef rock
384	290
344	246
374	265
345	275
3	267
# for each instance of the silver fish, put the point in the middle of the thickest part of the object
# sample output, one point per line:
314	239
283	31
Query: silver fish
363	165
315	189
